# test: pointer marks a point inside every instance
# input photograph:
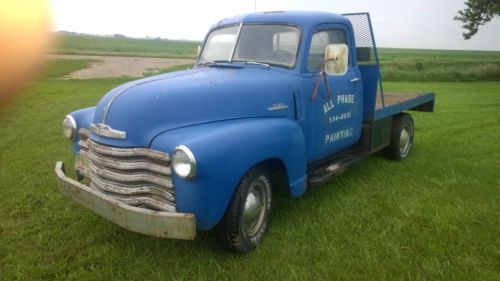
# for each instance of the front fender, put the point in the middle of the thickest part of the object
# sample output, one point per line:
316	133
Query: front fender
224	151
83	118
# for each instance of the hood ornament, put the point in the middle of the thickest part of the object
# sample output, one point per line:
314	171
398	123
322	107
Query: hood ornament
106	131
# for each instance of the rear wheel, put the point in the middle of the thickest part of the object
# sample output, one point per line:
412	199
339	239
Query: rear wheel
247	218
402	134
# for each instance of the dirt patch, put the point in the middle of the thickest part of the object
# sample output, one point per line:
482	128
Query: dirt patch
108	66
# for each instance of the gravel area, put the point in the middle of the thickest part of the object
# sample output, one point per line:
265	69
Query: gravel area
109	66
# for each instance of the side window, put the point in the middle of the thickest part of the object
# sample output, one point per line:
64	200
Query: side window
319	42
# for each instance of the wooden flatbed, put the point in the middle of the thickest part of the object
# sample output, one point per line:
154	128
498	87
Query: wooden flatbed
396	102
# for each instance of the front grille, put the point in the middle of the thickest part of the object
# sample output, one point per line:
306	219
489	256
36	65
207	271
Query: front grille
138	177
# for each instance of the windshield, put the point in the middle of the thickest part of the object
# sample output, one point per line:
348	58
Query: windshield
271	44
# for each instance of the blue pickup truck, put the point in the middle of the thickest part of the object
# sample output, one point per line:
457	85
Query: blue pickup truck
297	94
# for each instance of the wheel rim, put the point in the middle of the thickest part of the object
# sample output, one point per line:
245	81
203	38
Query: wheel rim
404	141
255	208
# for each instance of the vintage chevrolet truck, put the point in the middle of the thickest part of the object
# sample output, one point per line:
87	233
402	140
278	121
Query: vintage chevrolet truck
295	93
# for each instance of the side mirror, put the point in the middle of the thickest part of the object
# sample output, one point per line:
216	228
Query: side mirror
198	51
336	59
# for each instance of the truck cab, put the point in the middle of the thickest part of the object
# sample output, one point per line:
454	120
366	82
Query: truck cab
299	93
297	48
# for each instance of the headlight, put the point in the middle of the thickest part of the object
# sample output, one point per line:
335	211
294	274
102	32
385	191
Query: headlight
69	127
183	162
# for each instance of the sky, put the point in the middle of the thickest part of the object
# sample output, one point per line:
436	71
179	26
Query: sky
426	24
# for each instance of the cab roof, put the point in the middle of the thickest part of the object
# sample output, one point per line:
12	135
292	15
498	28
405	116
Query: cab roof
304	19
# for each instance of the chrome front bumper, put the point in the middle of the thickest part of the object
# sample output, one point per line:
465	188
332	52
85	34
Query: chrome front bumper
155	223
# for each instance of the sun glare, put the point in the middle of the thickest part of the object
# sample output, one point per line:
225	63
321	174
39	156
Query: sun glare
24	33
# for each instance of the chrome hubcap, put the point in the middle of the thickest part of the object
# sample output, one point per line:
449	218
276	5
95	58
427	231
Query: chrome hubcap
404	141
255	208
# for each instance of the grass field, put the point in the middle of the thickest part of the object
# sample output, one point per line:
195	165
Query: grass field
434	216
95	45
397	64
438	65
57	68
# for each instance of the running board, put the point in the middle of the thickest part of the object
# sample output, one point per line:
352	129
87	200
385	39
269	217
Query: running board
324	170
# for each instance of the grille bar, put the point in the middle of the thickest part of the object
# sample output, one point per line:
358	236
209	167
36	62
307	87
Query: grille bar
127	190
128	177
141	201
131	164
139	177
125	152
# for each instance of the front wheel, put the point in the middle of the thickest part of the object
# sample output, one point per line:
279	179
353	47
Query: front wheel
402	134
247	218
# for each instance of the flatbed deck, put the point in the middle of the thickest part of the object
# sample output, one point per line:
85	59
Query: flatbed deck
396	102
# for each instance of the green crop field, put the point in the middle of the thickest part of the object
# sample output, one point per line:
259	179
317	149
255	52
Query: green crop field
397	64
439	65
434	216
97	45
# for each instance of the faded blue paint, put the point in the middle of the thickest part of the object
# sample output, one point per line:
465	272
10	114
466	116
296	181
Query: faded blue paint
370	76
83	118
224	152
225	115
151	106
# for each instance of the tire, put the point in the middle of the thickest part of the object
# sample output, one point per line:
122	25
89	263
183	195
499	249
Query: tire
247	218
403	131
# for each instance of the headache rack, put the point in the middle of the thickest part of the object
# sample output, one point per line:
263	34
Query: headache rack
368	62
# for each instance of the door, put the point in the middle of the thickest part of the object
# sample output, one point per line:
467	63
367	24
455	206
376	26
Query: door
335	109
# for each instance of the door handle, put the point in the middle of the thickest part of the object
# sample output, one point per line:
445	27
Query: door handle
355	79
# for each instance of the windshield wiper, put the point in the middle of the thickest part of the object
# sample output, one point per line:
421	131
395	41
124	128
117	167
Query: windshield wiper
254	63
208	63
219	64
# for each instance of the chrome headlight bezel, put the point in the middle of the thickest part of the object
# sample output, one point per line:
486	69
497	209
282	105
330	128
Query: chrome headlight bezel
69	127
183	162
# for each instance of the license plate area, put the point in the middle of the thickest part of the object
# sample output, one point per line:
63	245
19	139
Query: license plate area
82	165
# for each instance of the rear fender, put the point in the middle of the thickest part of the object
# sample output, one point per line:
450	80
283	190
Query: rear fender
224	151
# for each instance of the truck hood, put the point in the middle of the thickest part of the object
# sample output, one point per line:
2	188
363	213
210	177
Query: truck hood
147	107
